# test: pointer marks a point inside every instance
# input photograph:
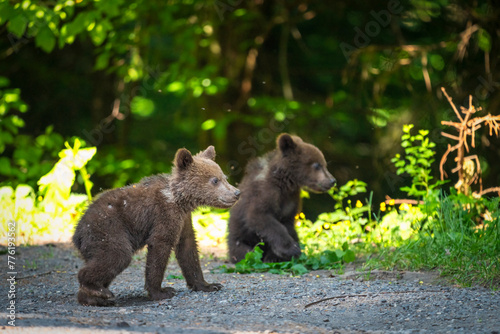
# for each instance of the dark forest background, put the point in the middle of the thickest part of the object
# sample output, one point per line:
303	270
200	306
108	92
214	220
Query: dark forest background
139	79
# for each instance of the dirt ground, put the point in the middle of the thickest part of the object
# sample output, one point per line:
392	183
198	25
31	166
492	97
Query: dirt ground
318	302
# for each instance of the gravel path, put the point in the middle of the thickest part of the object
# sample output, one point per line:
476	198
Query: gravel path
380	302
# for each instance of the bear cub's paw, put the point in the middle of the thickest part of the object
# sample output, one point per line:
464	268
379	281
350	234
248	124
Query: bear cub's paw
286	251
89	297
207	287
164	293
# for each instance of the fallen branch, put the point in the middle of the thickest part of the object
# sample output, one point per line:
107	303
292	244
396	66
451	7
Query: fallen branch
366	295
35	275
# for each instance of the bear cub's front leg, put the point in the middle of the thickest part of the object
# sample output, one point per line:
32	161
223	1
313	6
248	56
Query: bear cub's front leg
186	252
156	262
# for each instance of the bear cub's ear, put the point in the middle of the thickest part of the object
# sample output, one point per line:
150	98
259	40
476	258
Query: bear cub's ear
209	153
183	159
285	143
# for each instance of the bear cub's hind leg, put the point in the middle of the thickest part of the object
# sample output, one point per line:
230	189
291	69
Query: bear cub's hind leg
96	276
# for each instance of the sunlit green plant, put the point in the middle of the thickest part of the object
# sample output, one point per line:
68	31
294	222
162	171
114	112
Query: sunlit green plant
456	245
396	226
55	209
416	162
345	223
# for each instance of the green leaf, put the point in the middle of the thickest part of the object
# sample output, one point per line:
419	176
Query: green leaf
80	23
345	246
424	162
175	86
5	168
349	256
299	269
208	124
100	32
45	39
102	61
399	163
6	12
407	128
17	25
109	8
484	40
4	82
437	62
142	106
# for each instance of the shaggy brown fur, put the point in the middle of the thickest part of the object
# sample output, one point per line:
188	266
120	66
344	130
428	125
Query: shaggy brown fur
270	199
155	212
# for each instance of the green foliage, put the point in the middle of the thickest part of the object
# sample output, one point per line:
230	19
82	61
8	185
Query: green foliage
456	245
417	162
177	62
351	188
345	223
10	100
59	22
396	226
55	209
30	157
327	259
170	276
56	185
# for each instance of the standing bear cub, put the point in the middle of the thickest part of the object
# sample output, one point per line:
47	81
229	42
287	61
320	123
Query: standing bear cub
270	199
155	212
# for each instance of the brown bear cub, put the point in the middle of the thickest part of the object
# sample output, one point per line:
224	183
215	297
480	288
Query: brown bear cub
155	212
270	199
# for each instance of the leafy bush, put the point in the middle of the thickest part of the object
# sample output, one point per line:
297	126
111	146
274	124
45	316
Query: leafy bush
417	162
55	209
25	158
456	245
455	233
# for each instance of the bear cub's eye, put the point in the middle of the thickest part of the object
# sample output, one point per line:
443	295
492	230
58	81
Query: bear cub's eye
316	166
214	180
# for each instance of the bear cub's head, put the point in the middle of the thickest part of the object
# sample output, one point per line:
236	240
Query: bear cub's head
305	162
203	179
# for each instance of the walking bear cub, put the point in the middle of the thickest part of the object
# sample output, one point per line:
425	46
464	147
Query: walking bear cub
270	199
155	212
